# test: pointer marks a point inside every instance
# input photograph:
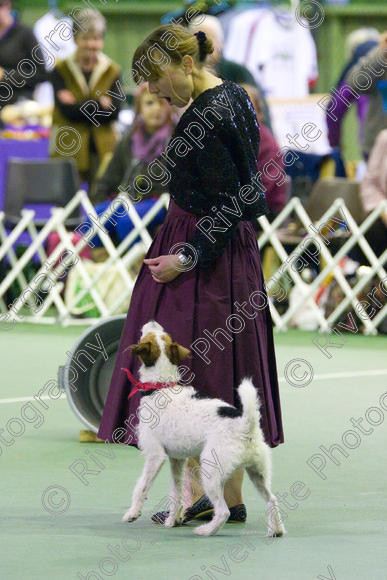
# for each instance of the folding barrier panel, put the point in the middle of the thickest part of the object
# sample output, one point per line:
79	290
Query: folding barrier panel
356	236
42	299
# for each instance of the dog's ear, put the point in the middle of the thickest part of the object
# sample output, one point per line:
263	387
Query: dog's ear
140	349
148	352
176	353
130	347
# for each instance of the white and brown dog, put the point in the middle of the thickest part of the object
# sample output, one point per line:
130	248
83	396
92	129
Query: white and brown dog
190	426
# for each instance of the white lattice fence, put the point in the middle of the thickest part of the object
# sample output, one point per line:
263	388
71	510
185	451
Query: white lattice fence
328	262
42	296
122	257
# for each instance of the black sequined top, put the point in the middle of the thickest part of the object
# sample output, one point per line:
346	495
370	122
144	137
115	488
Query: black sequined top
213	157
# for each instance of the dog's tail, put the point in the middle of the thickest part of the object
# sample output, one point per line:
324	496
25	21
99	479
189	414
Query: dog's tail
250	403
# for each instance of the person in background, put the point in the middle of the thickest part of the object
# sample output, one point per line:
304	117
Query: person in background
373	190
17	42
152	127
371	67
268	149
81	82
227	69
358	44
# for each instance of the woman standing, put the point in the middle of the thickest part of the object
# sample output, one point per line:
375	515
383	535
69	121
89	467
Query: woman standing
213	161
85	82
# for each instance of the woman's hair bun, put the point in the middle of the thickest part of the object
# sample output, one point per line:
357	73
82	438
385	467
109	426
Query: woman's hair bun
205	45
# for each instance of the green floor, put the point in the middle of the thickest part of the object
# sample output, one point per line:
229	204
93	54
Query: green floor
334	533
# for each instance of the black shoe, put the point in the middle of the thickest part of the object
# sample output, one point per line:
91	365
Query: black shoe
160	517
202	509
238	514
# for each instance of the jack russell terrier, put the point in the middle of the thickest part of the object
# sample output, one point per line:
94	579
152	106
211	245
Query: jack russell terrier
190	426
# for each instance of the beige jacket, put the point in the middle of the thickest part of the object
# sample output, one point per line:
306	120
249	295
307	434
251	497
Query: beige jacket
101	81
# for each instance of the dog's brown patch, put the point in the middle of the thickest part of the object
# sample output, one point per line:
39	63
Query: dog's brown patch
175	352
166	338
147	349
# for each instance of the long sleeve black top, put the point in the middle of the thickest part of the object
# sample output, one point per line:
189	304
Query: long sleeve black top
16	45
213	165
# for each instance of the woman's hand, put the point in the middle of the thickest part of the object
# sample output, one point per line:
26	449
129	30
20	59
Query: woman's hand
66	97
164	268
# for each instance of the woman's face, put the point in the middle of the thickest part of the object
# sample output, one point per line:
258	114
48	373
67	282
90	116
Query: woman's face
89	44
5	11
155	112
174	84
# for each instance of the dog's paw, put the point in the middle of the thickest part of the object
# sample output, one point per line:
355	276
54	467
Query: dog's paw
205	530
171	522
131	515
277	532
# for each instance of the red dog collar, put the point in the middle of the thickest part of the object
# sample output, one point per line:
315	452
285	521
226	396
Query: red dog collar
138	386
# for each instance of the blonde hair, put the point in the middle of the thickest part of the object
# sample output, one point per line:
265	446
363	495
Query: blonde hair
138	95
166	44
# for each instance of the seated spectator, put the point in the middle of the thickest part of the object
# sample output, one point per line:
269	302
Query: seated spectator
81	82
18	43
152	127
373	190
370	67
268	149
